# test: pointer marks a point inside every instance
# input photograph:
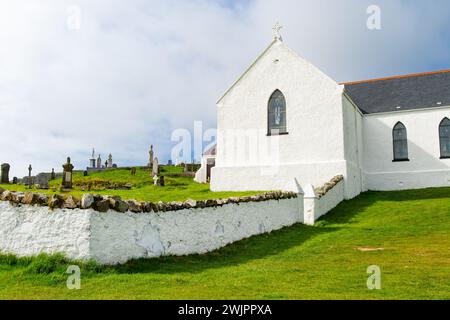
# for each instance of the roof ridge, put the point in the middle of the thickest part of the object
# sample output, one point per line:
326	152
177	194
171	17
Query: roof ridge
397	77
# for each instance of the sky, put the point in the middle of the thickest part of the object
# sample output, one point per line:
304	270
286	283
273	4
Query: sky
119	75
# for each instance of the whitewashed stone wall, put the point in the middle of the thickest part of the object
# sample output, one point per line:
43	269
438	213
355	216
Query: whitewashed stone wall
114	237
118	237
29	230
315	206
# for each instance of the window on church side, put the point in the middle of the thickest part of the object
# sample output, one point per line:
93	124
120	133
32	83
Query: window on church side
400	138
444	138
277	114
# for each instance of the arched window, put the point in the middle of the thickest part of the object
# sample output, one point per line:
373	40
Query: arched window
444	138
277	114
400	138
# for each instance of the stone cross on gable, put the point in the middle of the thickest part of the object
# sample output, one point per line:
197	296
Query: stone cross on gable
276	31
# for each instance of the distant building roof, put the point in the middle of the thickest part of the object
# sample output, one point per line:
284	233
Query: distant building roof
408	92
211	151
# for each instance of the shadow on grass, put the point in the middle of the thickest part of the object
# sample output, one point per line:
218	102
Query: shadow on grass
256	247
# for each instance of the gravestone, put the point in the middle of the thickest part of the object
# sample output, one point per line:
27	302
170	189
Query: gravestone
99	162
155	180
42	180
53	174
133	171
155	169
150	157
30	181
162	181
109	163
67	175
5	173
169	163
15	180
114	166
85	173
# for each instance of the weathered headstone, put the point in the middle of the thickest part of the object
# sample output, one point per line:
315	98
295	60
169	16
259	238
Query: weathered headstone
169	163
162	181
150	157
53	174
15	180
30	181
99	162
133	171
155	169
5	173
42	180
92	160
85	173
67	175
114	166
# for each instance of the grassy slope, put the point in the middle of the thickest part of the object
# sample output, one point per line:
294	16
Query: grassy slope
176	189
300	262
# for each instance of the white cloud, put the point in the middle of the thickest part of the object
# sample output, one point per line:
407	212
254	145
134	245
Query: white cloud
137	69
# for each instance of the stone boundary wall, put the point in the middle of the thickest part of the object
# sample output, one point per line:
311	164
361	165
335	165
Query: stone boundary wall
114	237
319	201
103	203
110	230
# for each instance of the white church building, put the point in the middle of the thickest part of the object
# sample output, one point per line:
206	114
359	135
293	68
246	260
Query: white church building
284	124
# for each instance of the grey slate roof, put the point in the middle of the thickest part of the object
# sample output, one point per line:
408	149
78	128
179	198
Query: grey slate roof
410	92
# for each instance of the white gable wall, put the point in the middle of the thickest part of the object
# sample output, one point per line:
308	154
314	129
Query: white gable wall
353	148
425	168
312	152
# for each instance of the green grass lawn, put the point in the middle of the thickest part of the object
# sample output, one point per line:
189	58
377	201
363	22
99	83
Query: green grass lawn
300	262
177	188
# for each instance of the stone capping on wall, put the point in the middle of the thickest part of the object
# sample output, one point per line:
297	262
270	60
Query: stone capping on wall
104	203
321	191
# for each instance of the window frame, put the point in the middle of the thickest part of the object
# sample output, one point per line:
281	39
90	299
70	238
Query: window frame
397	159
440	138
269	129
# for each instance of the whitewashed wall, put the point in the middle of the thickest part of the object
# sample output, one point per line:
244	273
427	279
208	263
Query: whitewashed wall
425	168
117	237
201	174
315	207
114	237
27	230
313	150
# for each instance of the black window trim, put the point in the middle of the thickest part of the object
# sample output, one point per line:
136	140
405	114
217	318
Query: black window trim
393	144
439	135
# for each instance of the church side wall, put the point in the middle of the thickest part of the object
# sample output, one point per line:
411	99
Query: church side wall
425	168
